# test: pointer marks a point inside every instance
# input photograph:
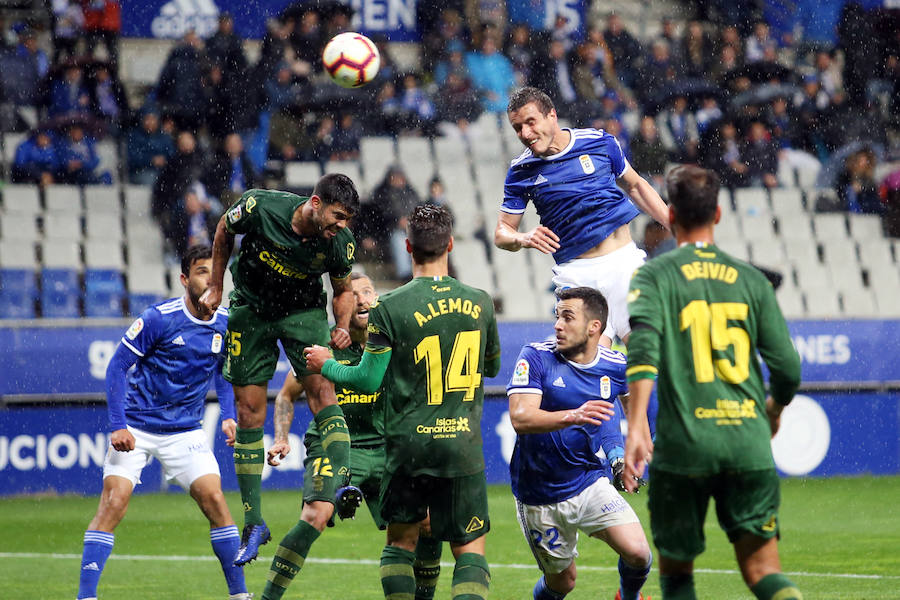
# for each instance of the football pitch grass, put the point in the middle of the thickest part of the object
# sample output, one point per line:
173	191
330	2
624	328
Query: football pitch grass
840	539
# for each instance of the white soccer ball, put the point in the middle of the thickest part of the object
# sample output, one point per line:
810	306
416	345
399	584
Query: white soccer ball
351	60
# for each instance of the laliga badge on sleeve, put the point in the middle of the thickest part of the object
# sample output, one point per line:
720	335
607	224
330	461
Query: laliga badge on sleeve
520	374
135	329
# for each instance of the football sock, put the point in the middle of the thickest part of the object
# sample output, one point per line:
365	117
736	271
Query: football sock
677	587
248	466
632	579
289	558
543	592
471	577
427	567
775	586
97	547
225	543
335	438
397	579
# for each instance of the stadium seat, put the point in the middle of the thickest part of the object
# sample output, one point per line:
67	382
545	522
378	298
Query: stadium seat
752	202
874	250
886	301
62	226
138	301
137	200
147	278
801	251
806	177
21	199
866	227
103	255
787	176
302	174
450	150
62	198
469	258
19	227
790	300
839	251
100	226
109	159
16	255
830	226
60	293
103	293
351	169
60	254
488	148
729	228
11	143
414	153
102	199
796	226
787	202
812	276
846	275
735	246
822	302
768	253
859	303
16	304
758	226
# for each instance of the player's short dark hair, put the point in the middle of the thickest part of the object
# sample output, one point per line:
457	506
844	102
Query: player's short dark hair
429	231
523	96
694	193
595	305
192	255
337	188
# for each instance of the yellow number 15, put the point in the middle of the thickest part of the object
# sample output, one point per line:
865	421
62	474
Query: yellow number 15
462	371
709	328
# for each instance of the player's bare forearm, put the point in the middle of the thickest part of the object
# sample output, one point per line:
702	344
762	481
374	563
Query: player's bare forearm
506	237
639	445
343	305
645	197
223	244
284	415
527	416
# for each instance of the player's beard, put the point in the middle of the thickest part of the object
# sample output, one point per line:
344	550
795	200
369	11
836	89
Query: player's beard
573	350
194	295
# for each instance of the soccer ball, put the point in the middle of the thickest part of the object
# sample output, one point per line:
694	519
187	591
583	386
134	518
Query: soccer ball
351	59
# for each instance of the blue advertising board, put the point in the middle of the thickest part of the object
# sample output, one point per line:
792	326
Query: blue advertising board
62	449
393	19
42	360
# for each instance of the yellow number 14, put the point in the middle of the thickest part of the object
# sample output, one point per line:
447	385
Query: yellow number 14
462	370
709	328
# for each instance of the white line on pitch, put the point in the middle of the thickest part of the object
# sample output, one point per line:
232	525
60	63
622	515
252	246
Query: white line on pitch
367	561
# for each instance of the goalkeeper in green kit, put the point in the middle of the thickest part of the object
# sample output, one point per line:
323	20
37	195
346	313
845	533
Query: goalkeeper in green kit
289	242
433	341
698	319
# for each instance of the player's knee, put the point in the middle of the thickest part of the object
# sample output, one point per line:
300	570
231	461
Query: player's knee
317	514
562	583
636	554
249	415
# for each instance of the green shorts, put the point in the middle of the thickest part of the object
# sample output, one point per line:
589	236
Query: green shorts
366	472
320	482
746	502
253	348
457	505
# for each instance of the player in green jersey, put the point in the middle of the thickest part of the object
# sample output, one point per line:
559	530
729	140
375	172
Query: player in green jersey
432	341
289	243
366	423
698	319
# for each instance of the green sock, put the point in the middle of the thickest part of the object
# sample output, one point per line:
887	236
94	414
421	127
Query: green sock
471	577
397	578
427	567
677	587
289	558
776	587
335	437
248	465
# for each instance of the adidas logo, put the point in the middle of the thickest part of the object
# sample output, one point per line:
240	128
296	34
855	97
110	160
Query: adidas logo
559	382
176	17
91	566
540	179
179	341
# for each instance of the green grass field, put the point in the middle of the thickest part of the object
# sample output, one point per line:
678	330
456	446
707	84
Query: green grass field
841	540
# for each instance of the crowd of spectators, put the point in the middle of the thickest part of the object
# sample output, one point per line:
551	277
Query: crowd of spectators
723	88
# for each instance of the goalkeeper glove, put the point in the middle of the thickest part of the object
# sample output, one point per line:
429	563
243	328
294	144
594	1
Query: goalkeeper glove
618	470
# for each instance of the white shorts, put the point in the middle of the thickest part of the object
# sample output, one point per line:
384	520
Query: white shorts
184	457
552	529
611	274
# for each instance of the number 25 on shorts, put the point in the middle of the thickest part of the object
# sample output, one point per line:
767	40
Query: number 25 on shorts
234	343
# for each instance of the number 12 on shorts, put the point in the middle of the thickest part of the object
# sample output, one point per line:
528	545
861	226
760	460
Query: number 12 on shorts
549	537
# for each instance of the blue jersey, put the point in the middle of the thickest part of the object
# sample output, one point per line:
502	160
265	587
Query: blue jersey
551	467
574	191
175	356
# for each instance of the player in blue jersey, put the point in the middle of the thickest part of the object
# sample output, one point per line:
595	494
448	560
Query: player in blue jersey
568	447
570	176
156	411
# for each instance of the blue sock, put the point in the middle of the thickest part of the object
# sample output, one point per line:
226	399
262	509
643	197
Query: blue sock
97	547
632	579
225	542
542	592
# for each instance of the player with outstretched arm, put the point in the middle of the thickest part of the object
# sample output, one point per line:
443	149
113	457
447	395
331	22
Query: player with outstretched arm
569	447
699	317
156	411
432	341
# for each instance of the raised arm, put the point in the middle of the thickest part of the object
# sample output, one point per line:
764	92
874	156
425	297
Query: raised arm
645	197
508	237
223	244
343	304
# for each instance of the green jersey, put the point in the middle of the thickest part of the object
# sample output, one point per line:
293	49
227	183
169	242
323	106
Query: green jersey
698	317
277	271
439	332
363	413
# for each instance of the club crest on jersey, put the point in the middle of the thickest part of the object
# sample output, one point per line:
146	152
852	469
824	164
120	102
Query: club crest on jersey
520	374
251	204
234	215
217	343
586	164
135	329
605	387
